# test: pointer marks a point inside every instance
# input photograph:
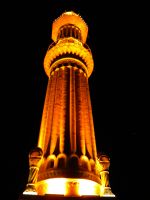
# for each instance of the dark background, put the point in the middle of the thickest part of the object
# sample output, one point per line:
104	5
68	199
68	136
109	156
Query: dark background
116	85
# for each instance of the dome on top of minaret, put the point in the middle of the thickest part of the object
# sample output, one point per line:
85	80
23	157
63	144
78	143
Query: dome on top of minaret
69	17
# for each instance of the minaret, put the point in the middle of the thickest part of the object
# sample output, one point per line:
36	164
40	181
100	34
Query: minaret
65	161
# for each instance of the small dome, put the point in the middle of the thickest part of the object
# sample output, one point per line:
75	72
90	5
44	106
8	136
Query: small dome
69	17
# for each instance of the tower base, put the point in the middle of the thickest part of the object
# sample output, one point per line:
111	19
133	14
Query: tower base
61	197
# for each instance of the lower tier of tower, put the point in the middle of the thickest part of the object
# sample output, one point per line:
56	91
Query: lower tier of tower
61	197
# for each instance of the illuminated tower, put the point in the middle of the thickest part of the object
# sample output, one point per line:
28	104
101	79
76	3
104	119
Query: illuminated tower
65	161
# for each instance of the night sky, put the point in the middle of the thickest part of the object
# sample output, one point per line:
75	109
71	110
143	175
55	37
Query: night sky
115	85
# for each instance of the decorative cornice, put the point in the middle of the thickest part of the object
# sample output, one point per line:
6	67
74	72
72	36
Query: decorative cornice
68	46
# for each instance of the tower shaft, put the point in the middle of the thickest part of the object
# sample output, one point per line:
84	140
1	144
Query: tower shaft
67	124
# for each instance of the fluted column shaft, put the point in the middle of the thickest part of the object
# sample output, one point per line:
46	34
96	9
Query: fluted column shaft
67	115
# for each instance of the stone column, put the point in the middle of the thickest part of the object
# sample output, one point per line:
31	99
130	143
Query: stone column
104	161
35	159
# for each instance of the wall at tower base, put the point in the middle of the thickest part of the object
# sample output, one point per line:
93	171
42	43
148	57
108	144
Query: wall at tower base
60	197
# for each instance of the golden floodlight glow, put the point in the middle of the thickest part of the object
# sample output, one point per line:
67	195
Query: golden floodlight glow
71	187
65	161
106	192
30	193
88	187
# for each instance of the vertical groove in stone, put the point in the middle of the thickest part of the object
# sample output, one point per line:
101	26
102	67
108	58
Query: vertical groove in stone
51	109
86	117
62	111
67	109
44	135
55	119
93	143
72	111
80	114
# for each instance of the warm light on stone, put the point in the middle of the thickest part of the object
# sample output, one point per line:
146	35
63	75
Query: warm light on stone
68	187
65	161
70	17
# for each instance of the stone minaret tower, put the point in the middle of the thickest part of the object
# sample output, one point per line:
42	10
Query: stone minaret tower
65	161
